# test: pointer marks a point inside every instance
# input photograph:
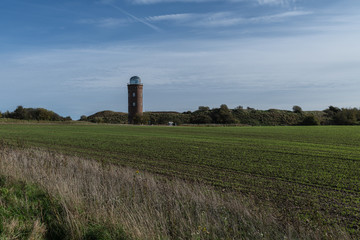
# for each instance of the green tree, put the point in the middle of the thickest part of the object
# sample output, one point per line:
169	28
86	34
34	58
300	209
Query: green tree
19	113
203	109
346	117
222	115
297	109
200	118
331	111
310	120
7	114
43	114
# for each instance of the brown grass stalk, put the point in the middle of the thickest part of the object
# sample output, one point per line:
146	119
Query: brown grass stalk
146	206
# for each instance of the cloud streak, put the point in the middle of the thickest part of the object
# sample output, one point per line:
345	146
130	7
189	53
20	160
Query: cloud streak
276	2
105	22
169	1
259	2
197	20
224	19
173	17
137	19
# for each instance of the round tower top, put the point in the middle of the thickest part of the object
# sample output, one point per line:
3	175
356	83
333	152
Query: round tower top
135	80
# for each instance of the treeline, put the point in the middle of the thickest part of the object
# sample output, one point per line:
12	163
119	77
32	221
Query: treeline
225	116
237	116
38	114
205	115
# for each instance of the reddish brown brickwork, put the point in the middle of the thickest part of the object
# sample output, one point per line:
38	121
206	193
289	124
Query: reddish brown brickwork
135	100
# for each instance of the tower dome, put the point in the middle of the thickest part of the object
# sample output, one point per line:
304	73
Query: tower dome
135	80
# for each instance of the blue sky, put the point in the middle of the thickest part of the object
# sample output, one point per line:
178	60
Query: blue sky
75	57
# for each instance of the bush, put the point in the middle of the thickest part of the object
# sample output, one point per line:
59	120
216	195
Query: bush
347	117
310	120
297	109
39	114
222	115
344	116
141	119
107	117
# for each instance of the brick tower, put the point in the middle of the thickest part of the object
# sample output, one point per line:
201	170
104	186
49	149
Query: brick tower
135	98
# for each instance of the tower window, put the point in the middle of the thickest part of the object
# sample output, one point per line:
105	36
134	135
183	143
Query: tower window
134	104
134	94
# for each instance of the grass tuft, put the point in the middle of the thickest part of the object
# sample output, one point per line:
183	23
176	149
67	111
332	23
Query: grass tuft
104	201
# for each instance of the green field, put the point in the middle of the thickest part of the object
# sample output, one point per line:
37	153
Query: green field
309	173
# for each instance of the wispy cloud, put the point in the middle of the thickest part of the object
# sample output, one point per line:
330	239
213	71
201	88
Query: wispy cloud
168	1
105	22
260	2
276	2
308	70
224	19
173	17
135	18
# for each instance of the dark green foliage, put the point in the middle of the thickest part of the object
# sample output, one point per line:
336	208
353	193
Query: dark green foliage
101	232
344	116
6	114
19	113
107	117
204	115
347	117
272	117
297	109
310	120
222	115
201	116
332	110
141	119
39	114
163	118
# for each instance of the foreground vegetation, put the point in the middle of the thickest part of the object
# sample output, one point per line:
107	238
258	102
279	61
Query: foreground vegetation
309	174
28	212
84	199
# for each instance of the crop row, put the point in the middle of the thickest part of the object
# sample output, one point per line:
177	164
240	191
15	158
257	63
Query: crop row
309	172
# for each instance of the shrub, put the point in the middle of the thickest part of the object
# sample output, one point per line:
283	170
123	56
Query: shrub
347	117
297	109
310	120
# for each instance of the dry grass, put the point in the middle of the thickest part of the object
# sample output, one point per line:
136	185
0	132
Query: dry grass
145	206
13	227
